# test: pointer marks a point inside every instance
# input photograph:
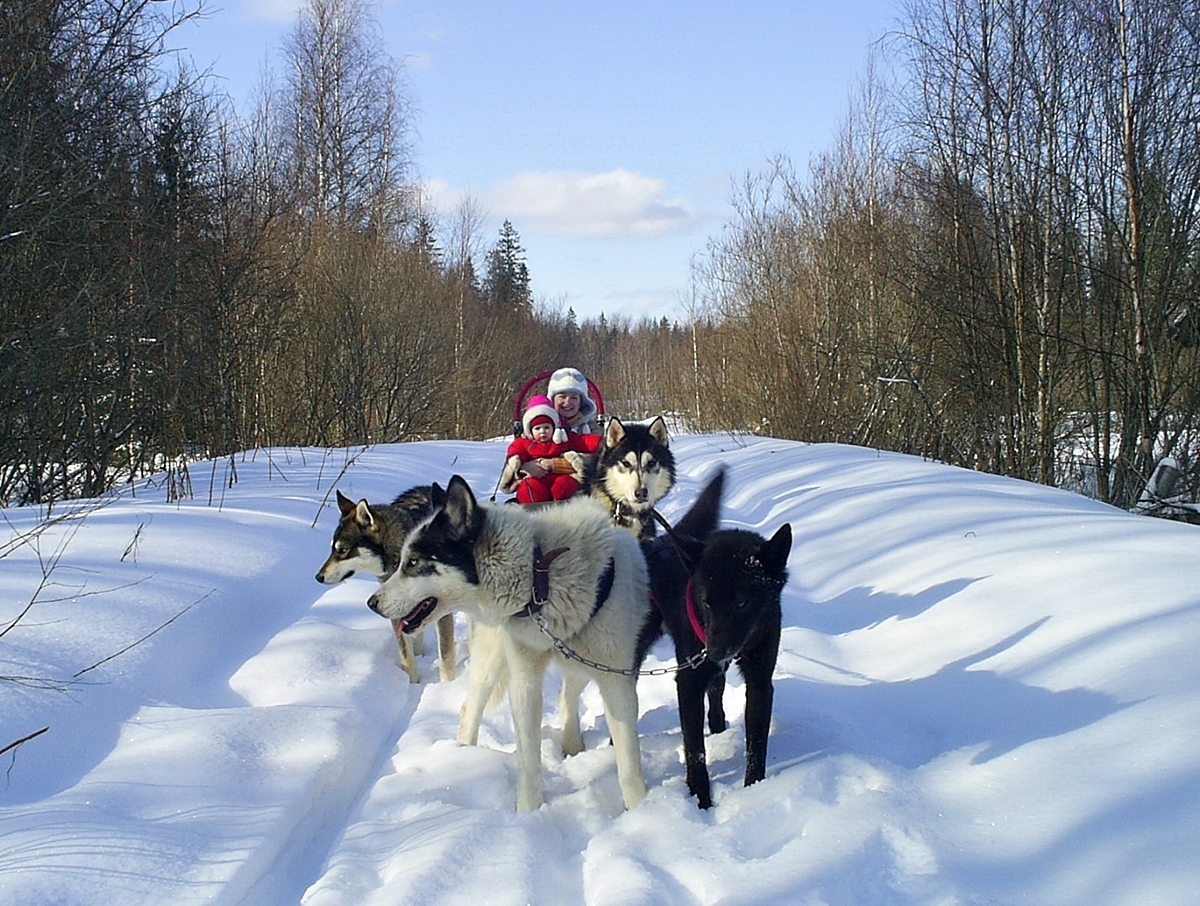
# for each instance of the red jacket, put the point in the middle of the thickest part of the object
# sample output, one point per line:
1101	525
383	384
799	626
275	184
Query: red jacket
526	449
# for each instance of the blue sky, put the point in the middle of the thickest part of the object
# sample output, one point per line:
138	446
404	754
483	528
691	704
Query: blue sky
610	134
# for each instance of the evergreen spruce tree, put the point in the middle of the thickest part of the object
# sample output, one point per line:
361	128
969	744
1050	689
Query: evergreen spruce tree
506	285
425	241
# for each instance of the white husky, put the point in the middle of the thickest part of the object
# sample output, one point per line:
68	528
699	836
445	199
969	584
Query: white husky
503	564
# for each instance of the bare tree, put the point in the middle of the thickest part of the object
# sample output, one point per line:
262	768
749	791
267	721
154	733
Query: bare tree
465	242
344	118
79	96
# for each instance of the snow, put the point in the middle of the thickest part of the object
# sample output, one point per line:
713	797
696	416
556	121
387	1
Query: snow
987	693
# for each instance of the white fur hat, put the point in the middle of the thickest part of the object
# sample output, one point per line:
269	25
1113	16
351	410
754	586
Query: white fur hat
571	380
540	406
567	380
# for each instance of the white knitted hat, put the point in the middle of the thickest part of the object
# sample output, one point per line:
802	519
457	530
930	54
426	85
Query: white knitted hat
571	380
567	380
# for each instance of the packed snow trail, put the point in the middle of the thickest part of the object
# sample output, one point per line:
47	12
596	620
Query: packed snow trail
987	693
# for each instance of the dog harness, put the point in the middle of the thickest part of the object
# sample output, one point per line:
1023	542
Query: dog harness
541	582
693	617
541	597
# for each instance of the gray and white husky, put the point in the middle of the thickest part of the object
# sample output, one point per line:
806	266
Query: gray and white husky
368	539
501	565
632	471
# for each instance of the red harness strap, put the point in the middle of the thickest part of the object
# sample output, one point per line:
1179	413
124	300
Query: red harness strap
693	617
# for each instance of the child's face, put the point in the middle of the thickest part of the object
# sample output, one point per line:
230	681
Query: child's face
542	431
567	404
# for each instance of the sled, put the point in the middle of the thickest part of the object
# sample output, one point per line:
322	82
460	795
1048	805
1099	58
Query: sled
523	395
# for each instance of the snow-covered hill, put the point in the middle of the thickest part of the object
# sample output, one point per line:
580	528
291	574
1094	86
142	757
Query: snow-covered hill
988	692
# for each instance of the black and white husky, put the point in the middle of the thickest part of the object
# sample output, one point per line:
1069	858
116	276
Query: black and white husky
564	567
632	471
368	539
718	591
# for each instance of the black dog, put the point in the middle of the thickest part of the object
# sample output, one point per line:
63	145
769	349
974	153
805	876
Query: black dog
718	592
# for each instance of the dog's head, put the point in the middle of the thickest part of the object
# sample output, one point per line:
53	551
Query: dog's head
437	571
736	585
357	545
638	468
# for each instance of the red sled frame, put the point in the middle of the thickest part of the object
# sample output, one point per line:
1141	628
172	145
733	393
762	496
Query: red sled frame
519	401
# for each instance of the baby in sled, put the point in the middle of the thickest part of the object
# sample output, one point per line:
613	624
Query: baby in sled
547	461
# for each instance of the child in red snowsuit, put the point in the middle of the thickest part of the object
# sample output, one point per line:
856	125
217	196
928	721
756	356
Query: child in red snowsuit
558	454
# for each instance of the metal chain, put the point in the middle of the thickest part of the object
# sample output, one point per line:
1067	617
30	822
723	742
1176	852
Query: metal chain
535	613
570	654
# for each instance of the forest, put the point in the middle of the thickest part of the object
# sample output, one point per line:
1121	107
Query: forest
995	263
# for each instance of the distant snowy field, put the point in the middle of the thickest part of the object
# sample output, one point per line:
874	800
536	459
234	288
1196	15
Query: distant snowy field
988	693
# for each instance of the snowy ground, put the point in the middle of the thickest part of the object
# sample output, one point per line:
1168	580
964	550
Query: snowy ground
988	693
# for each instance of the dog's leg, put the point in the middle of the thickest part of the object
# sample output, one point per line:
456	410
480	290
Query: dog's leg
760	695
716	703
621	713
486	678
407	662
690	686
568	709
447	655
526	669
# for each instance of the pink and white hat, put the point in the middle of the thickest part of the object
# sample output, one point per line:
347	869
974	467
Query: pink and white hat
538	408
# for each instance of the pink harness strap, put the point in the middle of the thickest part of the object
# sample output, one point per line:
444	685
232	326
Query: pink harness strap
693	617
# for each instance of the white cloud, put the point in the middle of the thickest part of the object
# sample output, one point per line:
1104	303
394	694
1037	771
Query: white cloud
418	61
601	205
272	10
440	195
445	200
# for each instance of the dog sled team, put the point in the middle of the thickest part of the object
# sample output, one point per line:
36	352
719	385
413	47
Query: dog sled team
578	576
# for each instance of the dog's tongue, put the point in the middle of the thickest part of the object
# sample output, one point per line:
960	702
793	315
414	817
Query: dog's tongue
412	622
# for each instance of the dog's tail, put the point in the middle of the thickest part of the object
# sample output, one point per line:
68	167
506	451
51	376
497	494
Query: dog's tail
701	520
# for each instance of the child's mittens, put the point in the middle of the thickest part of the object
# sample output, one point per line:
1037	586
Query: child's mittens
511	476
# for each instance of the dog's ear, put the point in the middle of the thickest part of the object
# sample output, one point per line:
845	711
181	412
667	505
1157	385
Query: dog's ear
437	497
460	506
363	515
615	433
692	549
345	504
459	485
658	430
701	519
774	553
